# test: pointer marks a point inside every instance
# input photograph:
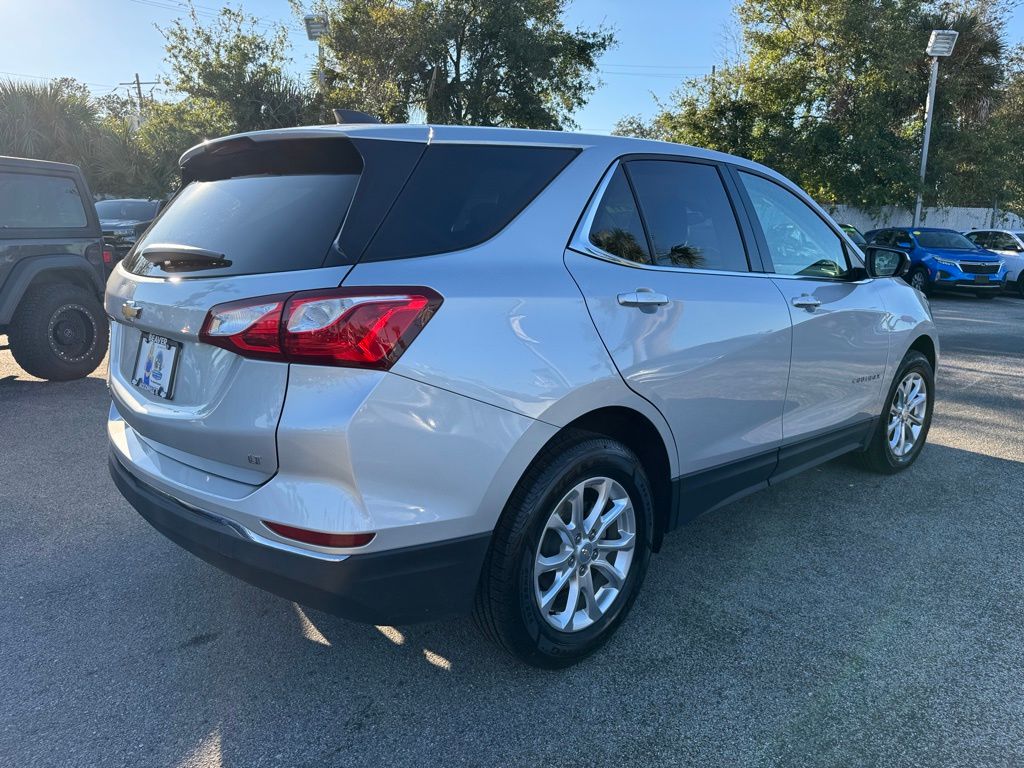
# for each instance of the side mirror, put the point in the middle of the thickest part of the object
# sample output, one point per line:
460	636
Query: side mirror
885	262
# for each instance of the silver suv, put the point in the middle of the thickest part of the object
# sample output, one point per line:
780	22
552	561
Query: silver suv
403	372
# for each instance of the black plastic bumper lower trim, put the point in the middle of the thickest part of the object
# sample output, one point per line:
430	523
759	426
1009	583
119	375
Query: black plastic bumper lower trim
400	586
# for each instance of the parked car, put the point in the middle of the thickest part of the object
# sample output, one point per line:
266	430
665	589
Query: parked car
944	259
52	269
854	234
1009	245
124	221
403	372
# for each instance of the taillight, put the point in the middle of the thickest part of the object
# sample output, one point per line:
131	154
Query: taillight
320	538
108	255
352	327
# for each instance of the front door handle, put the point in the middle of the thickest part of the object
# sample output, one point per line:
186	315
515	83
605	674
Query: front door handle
806	302
643	297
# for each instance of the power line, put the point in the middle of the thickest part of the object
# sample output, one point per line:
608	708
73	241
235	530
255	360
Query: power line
45	77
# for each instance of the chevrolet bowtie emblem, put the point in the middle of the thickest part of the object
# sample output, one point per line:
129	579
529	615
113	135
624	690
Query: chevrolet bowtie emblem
130	310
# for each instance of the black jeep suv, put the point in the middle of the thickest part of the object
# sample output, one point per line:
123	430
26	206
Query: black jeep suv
52	269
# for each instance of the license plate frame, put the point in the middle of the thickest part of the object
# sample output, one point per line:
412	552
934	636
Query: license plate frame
152	372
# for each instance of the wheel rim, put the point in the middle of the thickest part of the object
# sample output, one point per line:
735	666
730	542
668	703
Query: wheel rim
917	280
71	333
906	414
584	554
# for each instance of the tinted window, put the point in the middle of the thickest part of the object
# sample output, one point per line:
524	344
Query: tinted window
463	194
33	201
799	241
688	215
259	223
854	234
943	239
979	238
1001	241
129	210
617	228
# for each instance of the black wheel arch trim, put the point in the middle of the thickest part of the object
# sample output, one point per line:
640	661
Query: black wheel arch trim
27	270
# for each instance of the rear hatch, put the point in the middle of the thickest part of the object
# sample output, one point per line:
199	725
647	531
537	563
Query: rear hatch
257	216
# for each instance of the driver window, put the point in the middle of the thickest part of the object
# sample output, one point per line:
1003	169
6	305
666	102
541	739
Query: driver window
799	241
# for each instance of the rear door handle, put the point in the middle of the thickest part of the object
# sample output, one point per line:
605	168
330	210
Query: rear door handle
643	297
806	302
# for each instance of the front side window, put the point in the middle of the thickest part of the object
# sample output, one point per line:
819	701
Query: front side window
617	228
688	215
979	238
33	201
799	241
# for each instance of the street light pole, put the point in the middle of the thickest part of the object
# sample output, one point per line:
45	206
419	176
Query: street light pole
940	43
929	109
316	28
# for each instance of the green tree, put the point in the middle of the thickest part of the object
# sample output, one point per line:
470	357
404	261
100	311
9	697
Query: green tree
233	63
464	62
56	120
832	94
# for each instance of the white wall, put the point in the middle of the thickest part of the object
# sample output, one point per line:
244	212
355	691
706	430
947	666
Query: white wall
960	219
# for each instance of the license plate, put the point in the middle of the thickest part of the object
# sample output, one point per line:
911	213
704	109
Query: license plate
981	278
156	364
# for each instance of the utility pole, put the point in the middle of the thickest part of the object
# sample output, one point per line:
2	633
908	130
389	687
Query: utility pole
138	86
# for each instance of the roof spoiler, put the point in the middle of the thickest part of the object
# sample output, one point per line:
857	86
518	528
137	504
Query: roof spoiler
342	116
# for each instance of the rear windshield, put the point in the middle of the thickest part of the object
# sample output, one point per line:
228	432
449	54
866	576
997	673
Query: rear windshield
128	210
259	223
34	201
463	194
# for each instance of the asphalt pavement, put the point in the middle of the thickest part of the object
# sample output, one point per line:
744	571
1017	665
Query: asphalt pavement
839	619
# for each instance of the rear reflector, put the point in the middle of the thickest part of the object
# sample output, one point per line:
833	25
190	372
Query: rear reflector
319	538
350	327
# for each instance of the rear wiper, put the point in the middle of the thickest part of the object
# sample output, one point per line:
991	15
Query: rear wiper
182	258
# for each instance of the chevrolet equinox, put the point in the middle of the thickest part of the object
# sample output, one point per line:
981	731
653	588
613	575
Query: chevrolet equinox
402	372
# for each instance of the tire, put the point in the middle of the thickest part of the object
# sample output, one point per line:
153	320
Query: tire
1020	285
59	332
880	456
918	278
508	605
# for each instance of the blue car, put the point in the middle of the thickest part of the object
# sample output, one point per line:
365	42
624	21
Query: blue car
944	258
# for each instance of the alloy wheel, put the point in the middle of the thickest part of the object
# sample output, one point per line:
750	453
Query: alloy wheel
907	414
917	280
584	554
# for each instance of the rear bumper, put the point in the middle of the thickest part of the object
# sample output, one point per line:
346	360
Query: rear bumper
398	586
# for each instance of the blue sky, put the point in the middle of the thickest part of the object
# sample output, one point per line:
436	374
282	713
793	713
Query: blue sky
105	42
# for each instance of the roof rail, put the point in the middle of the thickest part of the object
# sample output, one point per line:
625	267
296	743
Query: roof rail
342	116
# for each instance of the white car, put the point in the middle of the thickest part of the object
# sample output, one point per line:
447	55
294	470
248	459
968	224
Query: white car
1010	245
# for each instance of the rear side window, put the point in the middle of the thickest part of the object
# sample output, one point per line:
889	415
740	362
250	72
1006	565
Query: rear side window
617	228
463	194
34	201
260	223
688	215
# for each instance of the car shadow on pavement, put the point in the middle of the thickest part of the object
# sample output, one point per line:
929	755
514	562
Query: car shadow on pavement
776	628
